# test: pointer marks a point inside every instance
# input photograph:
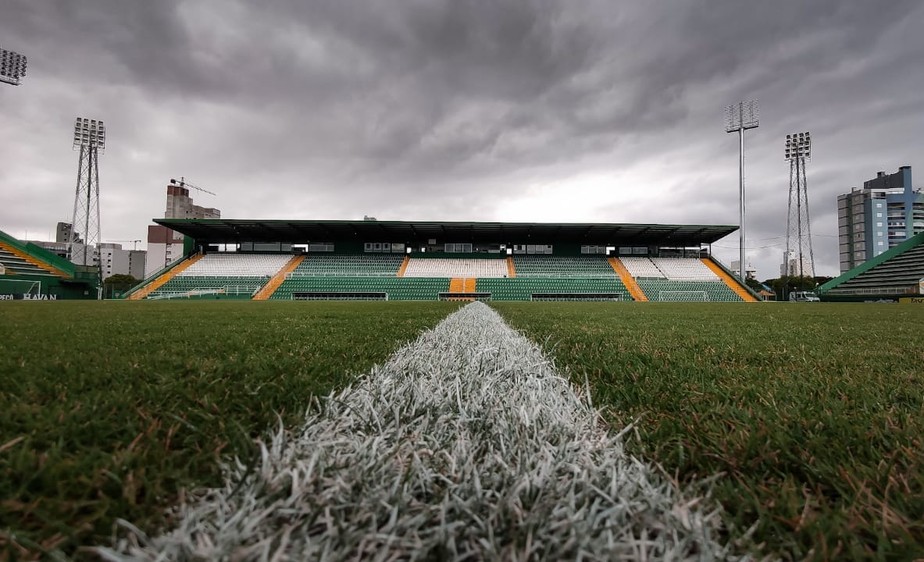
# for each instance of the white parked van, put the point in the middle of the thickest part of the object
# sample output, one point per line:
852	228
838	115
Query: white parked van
803	296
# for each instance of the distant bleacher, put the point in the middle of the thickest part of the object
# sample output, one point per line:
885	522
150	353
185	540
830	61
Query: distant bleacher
473	268
554	288
349	265
897	275
353	277
20	266
361	288
670	290
236	265
678	280
641	268
429	278
678	269
684	269
558	266
232	275
384	276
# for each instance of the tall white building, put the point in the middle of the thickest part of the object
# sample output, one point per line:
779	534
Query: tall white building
113	260
750	270
165	246
791	266
882	214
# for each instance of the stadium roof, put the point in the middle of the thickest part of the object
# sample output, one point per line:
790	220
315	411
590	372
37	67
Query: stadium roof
300	231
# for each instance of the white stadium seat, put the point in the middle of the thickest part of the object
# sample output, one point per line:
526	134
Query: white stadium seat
236	265
450	267
642	267
685	269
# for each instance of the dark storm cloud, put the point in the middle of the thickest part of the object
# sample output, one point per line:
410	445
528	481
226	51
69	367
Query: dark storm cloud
449	108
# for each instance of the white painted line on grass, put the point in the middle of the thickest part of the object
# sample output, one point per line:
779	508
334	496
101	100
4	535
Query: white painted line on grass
465	445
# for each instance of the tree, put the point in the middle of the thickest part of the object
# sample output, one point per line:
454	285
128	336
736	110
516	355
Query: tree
784	285
118	284
754	284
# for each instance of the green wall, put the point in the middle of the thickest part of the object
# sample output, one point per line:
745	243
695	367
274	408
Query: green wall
55	288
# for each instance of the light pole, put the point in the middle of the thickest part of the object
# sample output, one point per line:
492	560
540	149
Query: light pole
740	117
798	223
90	138
12	67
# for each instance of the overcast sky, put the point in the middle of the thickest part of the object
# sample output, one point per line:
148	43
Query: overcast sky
596	111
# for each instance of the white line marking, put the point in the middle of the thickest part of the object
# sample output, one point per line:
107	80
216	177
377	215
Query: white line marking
466	444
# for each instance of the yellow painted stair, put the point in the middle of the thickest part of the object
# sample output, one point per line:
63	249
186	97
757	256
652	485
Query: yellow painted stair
732	283
627	280
267	290
511	270
162	279
36	262
461	285
403	267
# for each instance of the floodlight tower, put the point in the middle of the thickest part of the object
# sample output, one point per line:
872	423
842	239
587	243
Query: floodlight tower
798	225
12	67
90	138
740	117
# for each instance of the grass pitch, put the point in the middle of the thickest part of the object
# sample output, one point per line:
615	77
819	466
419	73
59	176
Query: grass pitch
465	445
814	414
110	410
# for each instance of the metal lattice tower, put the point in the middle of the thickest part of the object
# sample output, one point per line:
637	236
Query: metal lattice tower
12	67
798	224
90	138
740	117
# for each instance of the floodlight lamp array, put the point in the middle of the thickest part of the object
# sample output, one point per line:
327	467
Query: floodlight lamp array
90	133
798	145
12	66
742	115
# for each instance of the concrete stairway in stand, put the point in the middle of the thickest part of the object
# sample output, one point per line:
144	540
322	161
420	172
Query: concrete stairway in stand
732	283
162	279
267	290
627	280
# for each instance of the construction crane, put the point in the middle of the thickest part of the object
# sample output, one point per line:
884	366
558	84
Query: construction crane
184	183
133	241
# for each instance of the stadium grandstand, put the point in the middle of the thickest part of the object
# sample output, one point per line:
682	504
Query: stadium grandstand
893	275
30	272
401	260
